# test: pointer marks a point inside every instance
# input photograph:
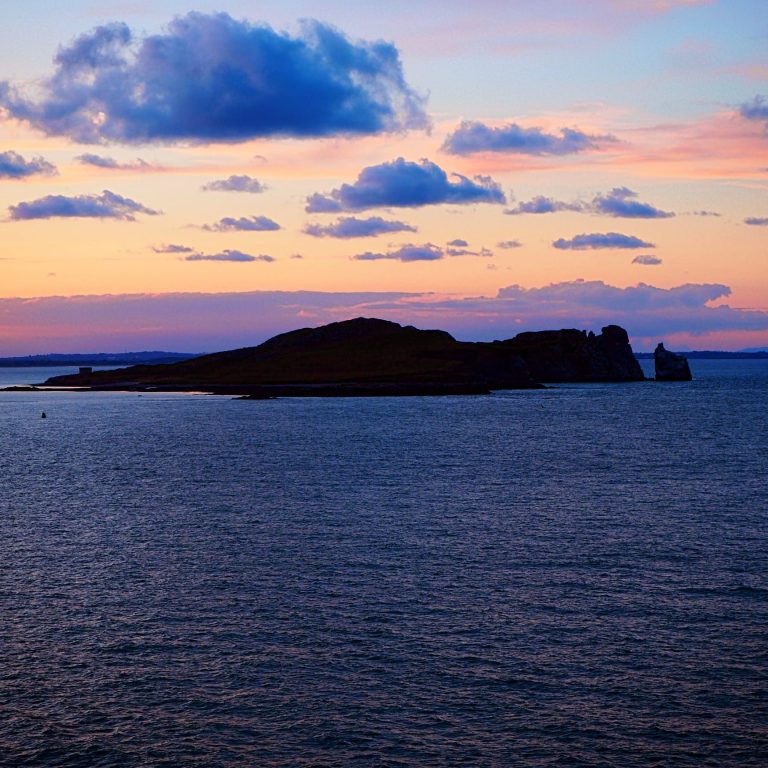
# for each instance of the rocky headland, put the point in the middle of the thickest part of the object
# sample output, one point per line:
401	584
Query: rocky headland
367	356
670	366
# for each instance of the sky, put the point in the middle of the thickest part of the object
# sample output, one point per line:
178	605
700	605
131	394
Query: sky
201	177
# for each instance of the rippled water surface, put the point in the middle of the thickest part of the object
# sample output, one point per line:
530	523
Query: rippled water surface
569	577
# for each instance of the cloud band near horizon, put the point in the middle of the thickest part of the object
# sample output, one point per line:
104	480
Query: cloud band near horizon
229	320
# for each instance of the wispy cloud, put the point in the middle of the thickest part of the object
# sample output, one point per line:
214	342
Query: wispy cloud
243	224
228	255
404	184
100	161
473	137
235	184
210	77
107	205
647	260
541	204
407	253
172	248
14	166
756	221
507	245
349	227
757	109
610	240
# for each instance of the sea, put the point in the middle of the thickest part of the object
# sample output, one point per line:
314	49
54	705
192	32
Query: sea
573	576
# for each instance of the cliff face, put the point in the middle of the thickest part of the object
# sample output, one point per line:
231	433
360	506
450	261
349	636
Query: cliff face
570	355
378	354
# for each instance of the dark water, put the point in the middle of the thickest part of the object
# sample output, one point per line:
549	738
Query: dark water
569	577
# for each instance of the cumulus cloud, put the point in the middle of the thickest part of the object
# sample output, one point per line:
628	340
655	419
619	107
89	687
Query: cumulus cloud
209	77
243	224
348	227
172	248
622	202
107	205
611	240
14	166
507	245
428	252
405	184
541	204
235	184
472	137
228	255
755	221
647	260
100	161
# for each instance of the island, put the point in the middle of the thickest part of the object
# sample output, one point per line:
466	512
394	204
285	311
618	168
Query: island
369	357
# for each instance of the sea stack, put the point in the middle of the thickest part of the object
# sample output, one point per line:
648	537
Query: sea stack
670	366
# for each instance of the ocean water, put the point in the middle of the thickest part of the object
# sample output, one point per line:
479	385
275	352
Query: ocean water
575	576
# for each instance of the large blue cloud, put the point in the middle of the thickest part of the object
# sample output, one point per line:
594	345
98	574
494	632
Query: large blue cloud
472	137
349	226
612	240
243	224
622	202
107	205
405	184
14	166
214	78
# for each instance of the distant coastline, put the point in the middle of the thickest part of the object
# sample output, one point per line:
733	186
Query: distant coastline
94	359
712	355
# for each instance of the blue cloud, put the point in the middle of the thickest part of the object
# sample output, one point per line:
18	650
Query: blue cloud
108	162
647	260
757	109
472	136
459	251
318	203
172	248
610	240
228	255
755	221
404	184
541	204
243	224
14	166
621	202
349	227
459	243
509	244
428	252
235	184
214	78
107	205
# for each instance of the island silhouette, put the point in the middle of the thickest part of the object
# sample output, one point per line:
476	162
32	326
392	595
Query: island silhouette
369	356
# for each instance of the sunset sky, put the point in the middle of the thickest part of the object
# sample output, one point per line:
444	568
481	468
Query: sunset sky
199	177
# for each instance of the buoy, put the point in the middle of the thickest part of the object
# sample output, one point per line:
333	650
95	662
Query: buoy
43	416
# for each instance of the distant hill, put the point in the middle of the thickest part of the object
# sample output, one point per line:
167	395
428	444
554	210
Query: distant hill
713	355
97	359
371	356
